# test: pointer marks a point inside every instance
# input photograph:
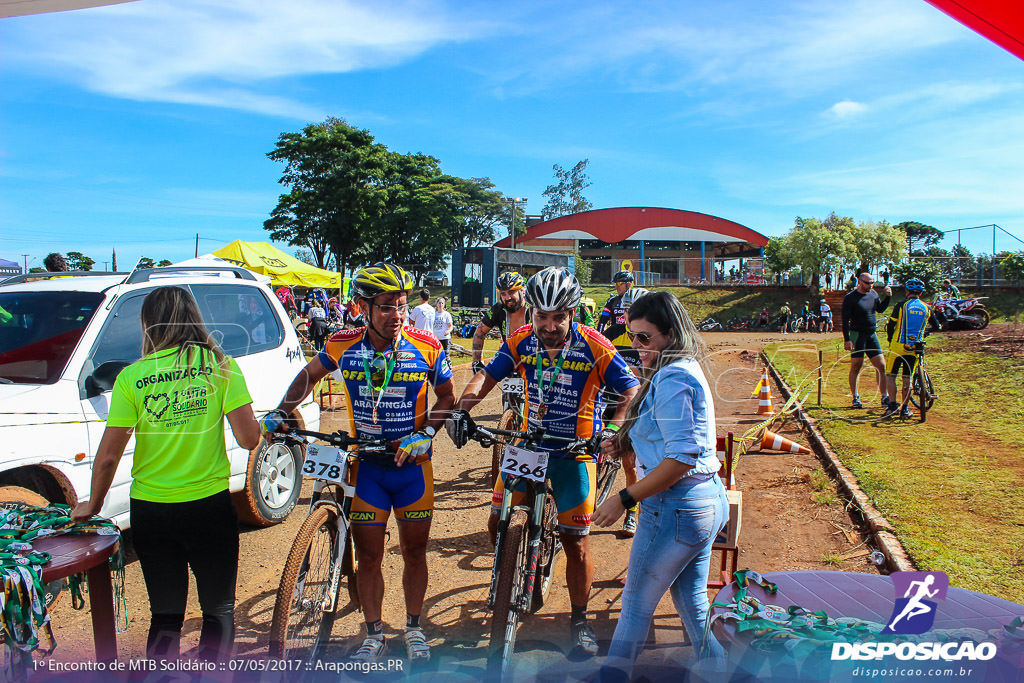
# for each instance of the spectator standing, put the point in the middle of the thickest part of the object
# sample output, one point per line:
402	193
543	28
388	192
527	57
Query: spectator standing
670	426
828	281
785	312
317	324
859	333
422	317
181	512
443	324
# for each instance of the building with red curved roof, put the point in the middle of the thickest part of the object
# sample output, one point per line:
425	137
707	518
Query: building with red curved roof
671	244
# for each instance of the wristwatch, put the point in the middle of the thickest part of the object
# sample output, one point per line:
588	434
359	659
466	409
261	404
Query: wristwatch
628	501
429	431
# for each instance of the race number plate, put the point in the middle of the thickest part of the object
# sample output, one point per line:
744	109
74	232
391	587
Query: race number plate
520	462
325	462
513	385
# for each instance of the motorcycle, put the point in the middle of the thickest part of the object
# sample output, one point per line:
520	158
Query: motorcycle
967	313
709	325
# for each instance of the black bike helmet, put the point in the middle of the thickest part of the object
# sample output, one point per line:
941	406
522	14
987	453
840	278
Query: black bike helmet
510	281
553	289
623	276
381	278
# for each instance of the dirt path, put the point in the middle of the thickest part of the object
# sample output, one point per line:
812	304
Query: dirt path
782	529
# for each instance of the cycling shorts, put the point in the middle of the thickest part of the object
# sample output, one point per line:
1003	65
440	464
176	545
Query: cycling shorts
574	484
900	361
865	343
408	490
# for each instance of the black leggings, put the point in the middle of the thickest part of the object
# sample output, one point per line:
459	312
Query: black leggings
171	537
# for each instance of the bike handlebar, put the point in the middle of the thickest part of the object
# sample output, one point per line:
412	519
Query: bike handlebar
489	437
366	445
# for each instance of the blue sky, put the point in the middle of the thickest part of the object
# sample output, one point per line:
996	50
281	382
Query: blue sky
140	125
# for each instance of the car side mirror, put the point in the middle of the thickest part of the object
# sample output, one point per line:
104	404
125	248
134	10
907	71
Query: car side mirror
102	378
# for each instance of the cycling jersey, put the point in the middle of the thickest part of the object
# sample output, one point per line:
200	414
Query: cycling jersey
498	316
907	325
613	312
952	292
566	404
825	311
417	361
399	399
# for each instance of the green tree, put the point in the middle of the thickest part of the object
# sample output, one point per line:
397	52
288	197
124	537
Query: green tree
919	235
923	269
335	175
566	195
145	262
819	246
55	263
964	266
1011	267
777	257
877	243
37	269
79	261
164	263
584	269
480	208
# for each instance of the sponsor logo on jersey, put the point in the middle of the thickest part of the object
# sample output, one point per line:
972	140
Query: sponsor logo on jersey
418	514
358	516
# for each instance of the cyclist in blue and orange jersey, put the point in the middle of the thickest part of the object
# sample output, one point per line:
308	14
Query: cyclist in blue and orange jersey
384	369
507	315
907	326
613	312
565	366
618	335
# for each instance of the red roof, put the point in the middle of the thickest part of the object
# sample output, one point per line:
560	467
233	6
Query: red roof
1001	21
618	224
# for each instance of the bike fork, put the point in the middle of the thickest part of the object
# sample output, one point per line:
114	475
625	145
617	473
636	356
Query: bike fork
503	517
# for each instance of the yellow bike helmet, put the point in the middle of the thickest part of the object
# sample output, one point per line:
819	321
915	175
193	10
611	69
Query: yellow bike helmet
381	278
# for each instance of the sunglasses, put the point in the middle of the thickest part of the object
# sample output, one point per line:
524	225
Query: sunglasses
388	309
645	338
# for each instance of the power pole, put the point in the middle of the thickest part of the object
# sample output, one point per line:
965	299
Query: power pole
25	256
197	245
113	260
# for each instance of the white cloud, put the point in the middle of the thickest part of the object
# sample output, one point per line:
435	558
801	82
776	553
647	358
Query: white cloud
847	109
220	52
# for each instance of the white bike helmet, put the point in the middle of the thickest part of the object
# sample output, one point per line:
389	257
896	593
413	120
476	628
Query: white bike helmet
630	297
553	289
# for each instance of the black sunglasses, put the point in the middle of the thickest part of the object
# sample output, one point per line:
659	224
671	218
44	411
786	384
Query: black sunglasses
645	339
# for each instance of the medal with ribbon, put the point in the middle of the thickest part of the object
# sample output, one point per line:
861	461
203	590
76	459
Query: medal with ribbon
551	374
381	363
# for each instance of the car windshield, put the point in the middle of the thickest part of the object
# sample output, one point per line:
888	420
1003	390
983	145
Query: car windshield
38	332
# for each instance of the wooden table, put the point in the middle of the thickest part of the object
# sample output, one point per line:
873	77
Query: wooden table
863	596
87	553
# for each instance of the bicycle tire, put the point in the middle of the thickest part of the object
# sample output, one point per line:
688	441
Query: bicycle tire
922	393
511	582
549	549
300	629
607	471
508	421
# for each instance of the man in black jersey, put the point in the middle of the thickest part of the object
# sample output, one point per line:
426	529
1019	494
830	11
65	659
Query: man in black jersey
508	315
613	312
859	324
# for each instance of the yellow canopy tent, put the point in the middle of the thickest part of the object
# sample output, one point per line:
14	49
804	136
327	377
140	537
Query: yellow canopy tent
281	268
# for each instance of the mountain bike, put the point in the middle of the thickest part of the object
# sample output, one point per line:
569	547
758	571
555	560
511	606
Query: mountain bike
322	556
607	470
527	545
513	416
922	392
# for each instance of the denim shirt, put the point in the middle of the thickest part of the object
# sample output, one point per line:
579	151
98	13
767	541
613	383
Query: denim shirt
676	420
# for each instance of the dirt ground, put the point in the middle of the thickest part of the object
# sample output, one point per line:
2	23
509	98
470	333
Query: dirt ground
782	528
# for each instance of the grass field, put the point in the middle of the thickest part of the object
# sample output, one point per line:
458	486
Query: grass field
952	487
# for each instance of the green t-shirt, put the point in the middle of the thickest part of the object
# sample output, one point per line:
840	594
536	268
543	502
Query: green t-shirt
177	410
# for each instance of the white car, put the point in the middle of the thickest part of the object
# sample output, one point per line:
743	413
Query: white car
64	339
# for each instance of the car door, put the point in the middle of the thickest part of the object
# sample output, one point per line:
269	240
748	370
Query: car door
120	339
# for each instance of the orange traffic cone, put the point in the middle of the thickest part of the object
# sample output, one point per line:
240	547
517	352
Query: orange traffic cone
774	442
764	395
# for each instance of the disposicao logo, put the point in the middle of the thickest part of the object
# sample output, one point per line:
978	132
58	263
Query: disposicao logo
917	594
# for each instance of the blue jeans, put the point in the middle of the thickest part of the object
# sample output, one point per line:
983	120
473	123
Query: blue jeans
671	552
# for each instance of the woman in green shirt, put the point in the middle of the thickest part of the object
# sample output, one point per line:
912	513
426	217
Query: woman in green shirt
175	399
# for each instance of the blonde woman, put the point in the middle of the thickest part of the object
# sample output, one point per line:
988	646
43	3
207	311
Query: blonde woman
670	426
175	399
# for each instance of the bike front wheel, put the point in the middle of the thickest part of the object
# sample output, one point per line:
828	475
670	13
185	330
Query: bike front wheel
302	622
607	471
922	393
508	593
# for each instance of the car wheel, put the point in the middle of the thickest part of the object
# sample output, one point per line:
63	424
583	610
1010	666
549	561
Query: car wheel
272	484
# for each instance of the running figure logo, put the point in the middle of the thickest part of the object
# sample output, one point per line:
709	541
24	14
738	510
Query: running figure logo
914	612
